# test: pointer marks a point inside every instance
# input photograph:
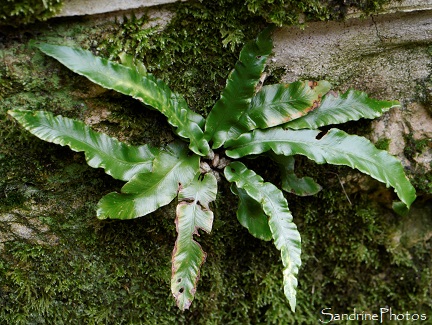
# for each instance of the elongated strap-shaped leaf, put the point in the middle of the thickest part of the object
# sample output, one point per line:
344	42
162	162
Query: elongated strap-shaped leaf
193	213
400	208
239	90
302	186
132	82
146	192
336	147
340	108
277	104
119	160
284	232
251	215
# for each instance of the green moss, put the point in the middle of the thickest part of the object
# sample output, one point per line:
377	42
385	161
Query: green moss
16	12
118	272
286	12
194	53
280	12
383	144
414	147
423	183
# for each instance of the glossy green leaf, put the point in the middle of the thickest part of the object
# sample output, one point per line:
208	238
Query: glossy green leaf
335	147
132	82
400	208
172	168
277	104
302	186
193	213
240	88
119	160
251	215
284	232
340	108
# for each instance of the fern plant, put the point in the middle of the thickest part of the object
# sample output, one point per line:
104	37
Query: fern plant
279	120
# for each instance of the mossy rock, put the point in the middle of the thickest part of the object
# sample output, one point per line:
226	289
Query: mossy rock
60	265
17	12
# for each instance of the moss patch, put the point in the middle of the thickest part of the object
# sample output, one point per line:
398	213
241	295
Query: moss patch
285	12
280	12
383	144
16	12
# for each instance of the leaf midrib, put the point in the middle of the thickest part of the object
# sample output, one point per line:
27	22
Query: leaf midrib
172	118
273	206
180	162
264	193
271	105
95	148
302	142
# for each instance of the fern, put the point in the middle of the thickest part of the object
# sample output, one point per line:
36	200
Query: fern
281	121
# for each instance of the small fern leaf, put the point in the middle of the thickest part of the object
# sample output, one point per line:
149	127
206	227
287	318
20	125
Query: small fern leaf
128	81
340	108
240	88
302	186
193	213
277	104
251	215
335	147
119	160
146	192
131	62
284	232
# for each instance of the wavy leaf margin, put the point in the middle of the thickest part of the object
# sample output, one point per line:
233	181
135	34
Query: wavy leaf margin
284	232
145	88
193	213
118	159
335	147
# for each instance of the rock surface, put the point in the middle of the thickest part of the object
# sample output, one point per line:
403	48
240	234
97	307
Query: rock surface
384	54
387	56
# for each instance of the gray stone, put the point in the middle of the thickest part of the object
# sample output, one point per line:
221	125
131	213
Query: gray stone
84	7
388	52
408	6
